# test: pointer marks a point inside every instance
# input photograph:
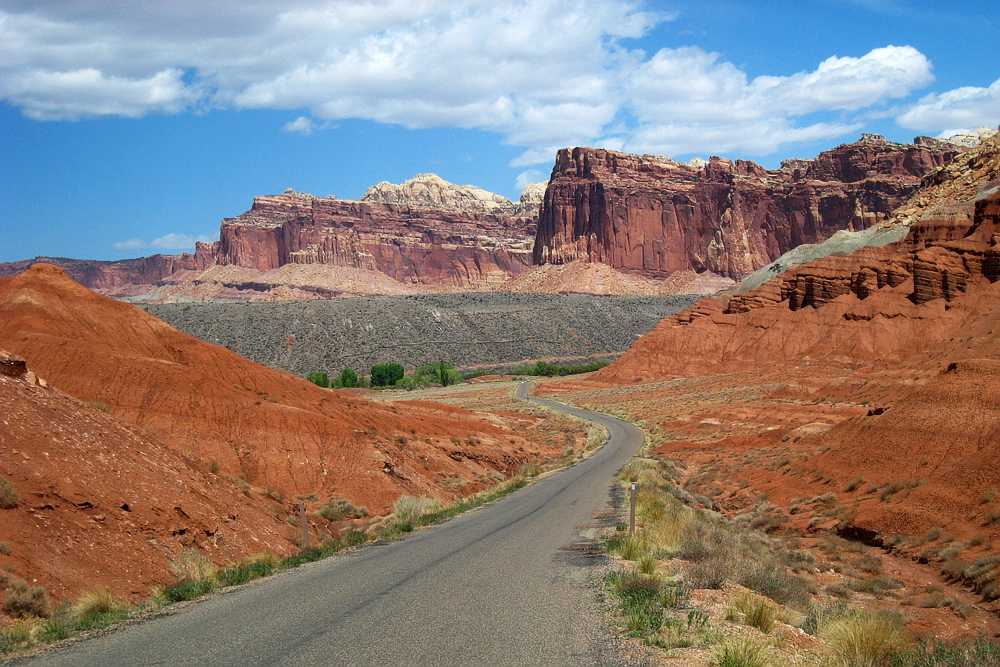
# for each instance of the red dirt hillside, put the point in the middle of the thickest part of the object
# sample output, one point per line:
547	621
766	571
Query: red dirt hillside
869	382
271	428
93	490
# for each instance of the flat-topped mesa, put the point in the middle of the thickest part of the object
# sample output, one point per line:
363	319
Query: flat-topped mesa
655	216
426	231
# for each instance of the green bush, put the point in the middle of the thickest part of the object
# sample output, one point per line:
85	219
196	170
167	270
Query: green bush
348	378
384	375
240	574
319	379
188	590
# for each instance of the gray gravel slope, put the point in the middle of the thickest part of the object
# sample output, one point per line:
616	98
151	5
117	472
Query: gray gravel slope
485	329
506	584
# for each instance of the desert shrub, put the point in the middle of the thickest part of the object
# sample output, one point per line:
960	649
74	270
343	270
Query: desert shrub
742	652
191	565
188	590
56	628
819	616
771	580
529	470
639	597
854	484
5	548
246	571
23	601
337	509
877	586
409	509
969	653
864	638
869	564
753	610
8	496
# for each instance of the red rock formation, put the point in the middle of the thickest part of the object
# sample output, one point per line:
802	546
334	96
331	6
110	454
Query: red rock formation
123	274
272	428
411	244
656	216
877	304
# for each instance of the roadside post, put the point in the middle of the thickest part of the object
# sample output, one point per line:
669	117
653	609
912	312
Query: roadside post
305	525
631	512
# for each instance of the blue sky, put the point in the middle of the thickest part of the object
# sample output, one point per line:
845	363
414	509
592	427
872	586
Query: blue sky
129	132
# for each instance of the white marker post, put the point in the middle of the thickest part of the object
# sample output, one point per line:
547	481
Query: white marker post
631	513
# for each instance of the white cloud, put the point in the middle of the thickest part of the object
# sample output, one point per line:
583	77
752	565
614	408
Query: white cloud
687	100
961	107
171	241
526	178
545	74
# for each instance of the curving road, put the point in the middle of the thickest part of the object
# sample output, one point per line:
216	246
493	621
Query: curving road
505	584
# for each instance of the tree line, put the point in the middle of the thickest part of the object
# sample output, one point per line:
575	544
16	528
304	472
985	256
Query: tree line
441	373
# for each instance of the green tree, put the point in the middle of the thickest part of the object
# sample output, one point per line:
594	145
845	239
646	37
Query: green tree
348	378
396	373
319	379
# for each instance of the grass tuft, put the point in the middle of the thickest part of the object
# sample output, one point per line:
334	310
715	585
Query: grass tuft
864	638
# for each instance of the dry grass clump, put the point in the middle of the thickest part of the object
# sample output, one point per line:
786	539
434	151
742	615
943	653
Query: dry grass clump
409	509
864	638
97	600
753	610
8	496
191	565
743	652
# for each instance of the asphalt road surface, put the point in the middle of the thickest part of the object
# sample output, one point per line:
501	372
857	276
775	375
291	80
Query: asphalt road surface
505	584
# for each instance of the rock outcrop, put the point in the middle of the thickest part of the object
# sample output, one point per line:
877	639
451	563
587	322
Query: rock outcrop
881	295
447	248
432	191
655	216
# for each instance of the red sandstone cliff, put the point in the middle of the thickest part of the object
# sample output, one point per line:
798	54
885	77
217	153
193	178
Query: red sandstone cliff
411	244
878	304
655	216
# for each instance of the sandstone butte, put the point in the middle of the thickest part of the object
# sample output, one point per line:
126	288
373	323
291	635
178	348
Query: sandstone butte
893	352
117	463
610	223
655	216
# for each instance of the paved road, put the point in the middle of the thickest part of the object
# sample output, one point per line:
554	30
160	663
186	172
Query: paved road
505	584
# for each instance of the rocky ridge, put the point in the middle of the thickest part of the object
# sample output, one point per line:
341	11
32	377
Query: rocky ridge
656	216
433	191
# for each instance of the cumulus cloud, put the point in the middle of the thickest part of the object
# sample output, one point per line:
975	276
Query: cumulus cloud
544	74
687	100
526	178
171	241
962	107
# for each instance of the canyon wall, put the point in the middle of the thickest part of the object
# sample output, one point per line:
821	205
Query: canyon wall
655	216
446	247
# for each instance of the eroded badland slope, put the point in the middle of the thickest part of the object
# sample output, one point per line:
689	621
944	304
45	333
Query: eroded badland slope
117	467
854	394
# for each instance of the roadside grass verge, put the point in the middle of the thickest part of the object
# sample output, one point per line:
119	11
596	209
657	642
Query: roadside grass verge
764	581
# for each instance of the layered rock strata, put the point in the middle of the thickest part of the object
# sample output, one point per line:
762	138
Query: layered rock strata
655	216
410	244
